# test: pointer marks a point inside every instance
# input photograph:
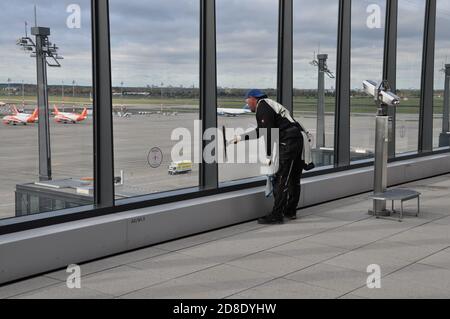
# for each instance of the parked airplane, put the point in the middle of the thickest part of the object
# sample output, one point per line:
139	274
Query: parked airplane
72	118
21	118
233	112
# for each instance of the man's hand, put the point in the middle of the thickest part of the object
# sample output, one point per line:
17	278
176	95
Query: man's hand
235	140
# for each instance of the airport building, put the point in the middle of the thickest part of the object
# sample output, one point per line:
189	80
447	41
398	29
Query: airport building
116	162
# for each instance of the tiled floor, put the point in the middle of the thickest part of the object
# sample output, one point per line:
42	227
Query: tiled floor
324	254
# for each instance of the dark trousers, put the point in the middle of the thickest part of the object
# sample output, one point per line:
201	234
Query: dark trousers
287	188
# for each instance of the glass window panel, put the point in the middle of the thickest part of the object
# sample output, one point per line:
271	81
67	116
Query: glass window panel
155	75
315	40
411	14
442	55
69	91
368	29
247	49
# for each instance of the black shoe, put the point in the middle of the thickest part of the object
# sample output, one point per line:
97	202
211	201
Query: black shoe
291	217
271	220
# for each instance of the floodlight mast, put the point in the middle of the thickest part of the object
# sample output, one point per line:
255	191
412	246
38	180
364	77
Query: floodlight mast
46	54
320	61
444	139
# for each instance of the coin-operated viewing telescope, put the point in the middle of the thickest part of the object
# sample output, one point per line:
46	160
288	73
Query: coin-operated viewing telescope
384	99
382	93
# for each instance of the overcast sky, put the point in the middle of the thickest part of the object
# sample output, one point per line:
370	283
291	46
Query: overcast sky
157	41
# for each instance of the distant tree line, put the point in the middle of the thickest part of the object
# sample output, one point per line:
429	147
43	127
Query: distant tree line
178	92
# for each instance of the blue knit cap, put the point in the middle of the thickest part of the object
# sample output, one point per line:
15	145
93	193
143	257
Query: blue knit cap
255	93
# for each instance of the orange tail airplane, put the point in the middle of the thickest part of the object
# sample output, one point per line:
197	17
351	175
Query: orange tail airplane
21	118
72	118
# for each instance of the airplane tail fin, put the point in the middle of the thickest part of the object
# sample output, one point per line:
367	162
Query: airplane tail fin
15	110
83	115
35	115
56	110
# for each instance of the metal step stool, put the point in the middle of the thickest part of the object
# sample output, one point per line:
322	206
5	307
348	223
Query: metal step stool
398	194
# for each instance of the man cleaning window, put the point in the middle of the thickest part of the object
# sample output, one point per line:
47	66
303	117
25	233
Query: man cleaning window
294	152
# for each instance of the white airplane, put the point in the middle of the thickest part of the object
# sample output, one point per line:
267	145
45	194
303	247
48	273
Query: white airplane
233	112
72	118
21	118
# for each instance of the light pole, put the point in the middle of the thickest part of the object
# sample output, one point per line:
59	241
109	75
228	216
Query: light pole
9	83
444	139
162	84
321	64
23	93
45	53
73	92
121	93
62	95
